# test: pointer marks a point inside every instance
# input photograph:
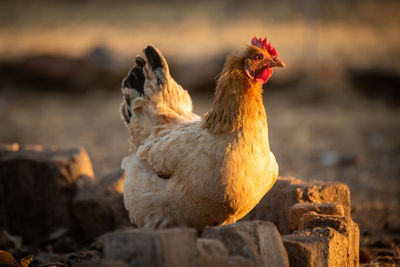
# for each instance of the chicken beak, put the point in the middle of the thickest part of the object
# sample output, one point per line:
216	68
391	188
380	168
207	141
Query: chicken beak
276	63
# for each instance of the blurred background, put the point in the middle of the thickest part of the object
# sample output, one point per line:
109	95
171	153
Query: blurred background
334	111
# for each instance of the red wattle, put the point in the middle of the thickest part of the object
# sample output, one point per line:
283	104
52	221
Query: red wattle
263	75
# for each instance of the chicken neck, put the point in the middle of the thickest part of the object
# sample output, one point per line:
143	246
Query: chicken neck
237	105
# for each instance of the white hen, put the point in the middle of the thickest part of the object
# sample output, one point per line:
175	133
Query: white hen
184	170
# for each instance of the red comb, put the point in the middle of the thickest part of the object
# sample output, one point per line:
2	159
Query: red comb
264	45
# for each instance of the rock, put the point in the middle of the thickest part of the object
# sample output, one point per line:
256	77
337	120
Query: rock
326	240
305	250
347	249
37	187
99	206
297	211
288	191
9	241
251	243
271	205
239	261
48	258
63	244
342	224
211	252
170	247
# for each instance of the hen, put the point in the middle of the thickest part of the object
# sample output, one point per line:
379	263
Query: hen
184	170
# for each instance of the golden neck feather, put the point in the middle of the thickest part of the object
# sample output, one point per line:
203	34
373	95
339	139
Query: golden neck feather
238	101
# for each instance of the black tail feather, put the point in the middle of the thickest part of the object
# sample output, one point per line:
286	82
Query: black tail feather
135	78
153	57
156	62
134	81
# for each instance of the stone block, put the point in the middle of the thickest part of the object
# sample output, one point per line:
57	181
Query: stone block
297	211
269	208
9	241
45	258
326	240
37	187
306	250
168	248
288	191
251	243
348	245
98	205
239	261
211	253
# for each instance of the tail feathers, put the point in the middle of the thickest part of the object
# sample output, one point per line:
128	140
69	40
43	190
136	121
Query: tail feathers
149	83
156	62
135	78
154	67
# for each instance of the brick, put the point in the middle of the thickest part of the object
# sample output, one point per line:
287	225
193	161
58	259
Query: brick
211	252
240	261
297	211
326	240
347	247
251	243
99	207
289	191
271	205
37	187
306	250
168	248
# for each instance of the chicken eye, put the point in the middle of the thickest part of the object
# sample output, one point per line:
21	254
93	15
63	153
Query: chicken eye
259	56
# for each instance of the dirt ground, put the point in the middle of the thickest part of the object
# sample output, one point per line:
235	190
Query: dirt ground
331	116
322	135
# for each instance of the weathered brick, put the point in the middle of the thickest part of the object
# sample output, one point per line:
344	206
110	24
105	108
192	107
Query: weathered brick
99	207
289	191
37	187
167	248
297	211
347	248
306	250
326	240
251	243
211	252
